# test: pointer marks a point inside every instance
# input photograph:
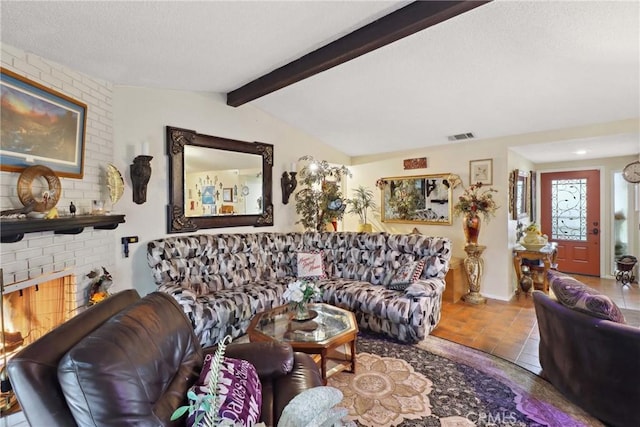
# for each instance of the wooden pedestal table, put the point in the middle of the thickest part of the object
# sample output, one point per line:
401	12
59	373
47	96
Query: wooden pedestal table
473	268
543	260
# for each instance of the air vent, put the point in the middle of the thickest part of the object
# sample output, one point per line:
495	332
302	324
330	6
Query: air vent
461	136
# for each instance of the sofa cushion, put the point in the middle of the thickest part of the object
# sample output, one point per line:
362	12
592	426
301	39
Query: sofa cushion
405	275
310	265
366	298
239	391
314	407
229	311
576	295
425	288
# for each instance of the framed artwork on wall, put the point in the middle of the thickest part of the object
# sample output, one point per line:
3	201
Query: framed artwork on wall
227	195
208	195
519	201
40	127
532	196
481	171
422	199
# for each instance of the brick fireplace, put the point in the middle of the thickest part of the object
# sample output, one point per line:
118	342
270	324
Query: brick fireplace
30	309
33	310
45	256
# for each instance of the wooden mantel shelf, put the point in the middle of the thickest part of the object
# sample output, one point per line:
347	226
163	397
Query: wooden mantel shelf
13	230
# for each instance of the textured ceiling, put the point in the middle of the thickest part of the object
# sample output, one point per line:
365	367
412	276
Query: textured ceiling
505	68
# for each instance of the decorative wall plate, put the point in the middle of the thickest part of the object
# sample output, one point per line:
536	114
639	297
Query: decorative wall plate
115	183
46	199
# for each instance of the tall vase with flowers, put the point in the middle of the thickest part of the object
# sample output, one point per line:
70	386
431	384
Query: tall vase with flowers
299	293
475	200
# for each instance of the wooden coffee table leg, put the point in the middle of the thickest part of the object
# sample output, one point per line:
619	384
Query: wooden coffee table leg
323	365
353	356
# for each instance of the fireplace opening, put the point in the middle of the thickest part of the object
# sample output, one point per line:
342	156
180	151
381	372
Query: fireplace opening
28	314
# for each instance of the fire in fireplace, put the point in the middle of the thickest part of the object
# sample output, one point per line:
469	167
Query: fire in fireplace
27	314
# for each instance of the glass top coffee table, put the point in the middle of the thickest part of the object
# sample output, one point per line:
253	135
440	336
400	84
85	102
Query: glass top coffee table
330	336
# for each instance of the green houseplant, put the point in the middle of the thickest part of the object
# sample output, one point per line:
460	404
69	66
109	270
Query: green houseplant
206	407
361	201
320	200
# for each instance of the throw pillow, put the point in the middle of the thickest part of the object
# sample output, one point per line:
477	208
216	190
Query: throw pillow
406	275
240	391
310	265
314	407
576	295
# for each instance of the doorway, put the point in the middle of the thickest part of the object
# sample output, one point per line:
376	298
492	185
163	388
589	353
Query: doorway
570	214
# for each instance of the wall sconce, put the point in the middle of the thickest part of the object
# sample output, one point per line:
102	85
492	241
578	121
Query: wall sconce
288	183
140	175
452	181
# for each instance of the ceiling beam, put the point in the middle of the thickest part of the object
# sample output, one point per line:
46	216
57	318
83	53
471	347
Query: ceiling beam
399	24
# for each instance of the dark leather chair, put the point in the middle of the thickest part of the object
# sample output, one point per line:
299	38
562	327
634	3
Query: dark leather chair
595	363
133	362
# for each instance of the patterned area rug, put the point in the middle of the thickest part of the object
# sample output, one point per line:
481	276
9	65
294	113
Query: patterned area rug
440	383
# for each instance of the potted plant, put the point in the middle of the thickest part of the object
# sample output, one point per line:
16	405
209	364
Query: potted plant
320	201
361	201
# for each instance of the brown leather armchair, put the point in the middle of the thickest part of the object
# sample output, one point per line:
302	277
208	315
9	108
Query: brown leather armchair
130	361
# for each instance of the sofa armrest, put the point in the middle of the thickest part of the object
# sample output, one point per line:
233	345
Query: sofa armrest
271	359
183	295
426	288
305	375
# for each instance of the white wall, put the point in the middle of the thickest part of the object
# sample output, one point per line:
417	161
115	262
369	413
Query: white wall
44	253
140	115
447	159
120	119
607	167
498	235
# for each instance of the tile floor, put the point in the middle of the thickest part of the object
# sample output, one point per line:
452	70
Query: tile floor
509	329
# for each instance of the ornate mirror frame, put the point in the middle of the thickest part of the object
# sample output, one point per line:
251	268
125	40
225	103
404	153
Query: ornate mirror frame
420	199
177	222
519	197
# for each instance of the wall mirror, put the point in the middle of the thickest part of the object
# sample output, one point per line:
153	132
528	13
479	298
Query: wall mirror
424	199
217	182
519	194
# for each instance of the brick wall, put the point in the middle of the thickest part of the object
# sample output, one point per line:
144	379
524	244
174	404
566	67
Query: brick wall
43	253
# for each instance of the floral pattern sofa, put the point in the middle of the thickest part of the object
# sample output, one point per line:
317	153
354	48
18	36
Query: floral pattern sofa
222	280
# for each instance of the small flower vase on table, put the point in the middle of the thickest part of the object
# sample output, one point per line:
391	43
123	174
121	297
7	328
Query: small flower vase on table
301	311
299	294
